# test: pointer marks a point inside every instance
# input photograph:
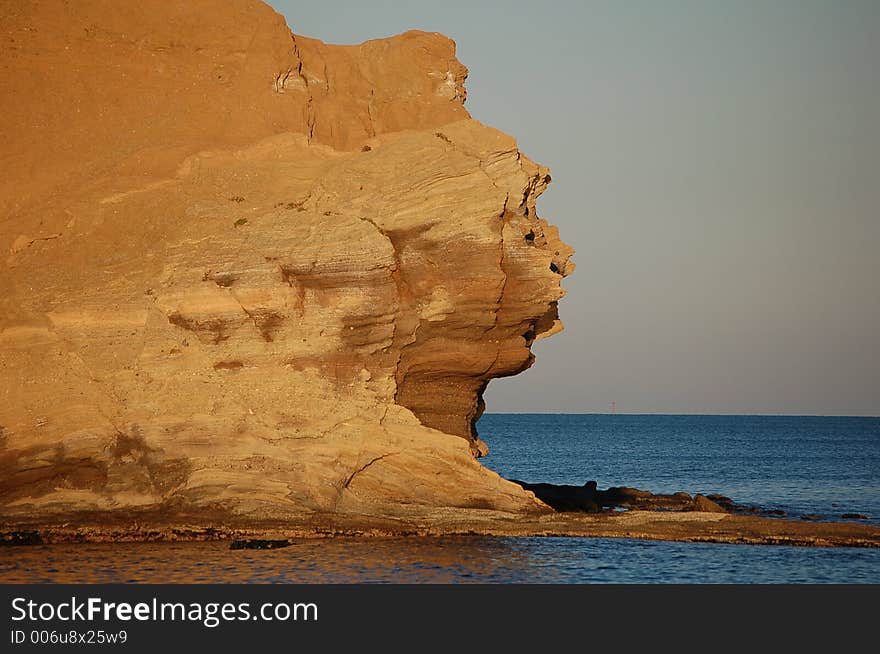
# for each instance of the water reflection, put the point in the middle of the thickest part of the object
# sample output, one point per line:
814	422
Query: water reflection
440	560
338	560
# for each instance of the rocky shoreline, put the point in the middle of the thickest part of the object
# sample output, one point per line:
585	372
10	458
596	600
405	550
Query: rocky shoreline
683	526
590	499
271	311
573	511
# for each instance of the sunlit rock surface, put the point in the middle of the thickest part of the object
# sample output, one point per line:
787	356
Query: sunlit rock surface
248	274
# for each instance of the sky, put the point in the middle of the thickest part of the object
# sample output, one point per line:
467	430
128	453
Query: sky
716	166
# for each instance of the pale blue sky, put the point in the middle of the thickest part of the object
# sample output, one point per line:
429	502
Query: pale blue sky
716	165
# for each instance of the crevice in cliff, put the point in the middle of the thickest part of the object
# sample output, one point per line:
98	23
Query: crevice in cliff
478	446
311	117
370	115
365	466
281	80
384	414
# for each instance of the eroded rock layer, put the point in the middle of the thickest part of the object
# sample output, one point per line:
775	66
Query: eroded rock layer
249	274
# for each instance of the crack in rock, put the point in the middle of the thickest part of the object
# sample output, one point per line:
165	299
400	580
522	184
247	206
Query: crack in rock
365	466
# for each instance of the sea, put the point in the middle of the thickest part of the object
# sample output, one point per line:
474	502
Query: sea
803	465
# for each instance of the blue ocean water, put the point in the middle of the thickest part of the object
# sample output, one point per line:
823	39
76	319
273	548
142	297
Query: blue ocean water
441	560
799	464
827	466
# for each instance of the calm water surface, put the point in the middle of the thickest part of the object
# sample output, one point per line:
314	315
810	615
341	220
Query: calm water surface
823	465
828	466
441	560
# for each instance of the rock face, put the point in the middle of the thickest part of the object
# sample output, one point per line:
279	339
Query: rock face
248	275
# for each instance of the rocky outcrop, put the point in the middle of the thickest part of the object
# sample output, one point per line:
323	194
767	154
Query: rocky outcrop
590	499
250	276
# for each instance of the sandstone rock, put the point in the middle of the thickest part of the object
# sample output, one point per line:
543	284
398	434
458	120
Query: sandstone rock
722	500
703	503
252	276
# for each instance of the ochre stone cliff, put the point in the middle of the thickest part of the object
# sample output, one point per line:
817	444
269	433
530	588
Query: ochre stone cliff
249	275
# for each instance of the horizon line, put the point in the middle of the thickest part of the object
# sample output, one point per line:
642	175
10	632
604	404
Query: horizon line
636	413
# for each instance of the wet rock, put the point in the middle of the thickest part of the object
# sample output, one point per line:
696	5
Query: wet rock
811	517
590	499
259	544
722	500
854	516
625	493
15	538
566	498
703	503
732	507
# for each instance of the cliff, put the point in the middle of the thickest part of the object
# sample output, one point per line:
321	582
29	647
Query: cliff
250	276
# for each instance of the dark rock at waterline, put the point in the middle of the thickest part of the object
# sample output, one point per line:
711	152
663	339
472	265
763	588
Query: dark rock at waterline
854	516
703	503
722	500
755	510
730	506
626	494
566	498
589	499
258	544
16	538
